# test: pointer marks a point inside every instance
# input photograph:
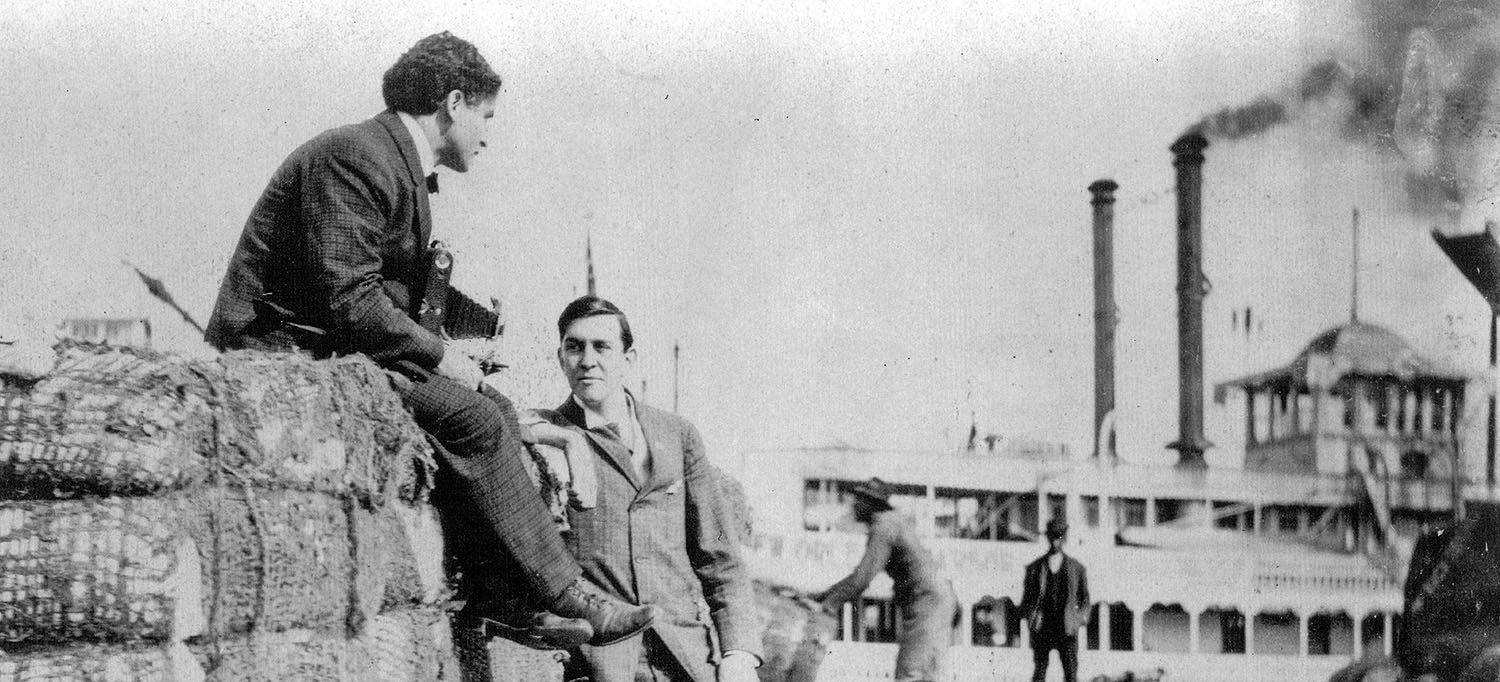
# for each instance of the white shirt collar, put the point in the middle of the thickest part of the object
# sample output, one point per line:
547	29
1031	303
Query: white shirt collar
594	420
419	138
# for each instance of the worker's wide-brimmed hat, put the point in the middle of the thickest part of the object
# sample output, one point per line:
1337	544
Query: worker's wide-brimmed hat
1057	528
875	492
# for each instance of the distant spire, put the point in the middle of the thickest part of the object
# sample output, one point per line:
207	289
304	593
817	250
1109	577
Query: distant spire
589	256
676	371
1354	270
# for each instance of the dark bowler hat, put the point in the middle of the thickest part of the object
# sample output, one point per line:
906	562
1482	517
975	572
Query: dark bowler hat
1056	528
875	492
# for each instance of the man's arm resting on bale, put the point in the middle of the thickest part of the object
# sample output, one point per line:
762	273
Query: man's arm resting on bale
539	426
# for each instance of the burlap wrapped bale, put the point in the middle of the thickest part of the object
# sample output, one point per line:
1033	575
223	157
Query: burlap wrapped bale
215	560
401	646
796	637
282	560
104	421
329	425
125	421
101	663
288	656
414	574
111	569
412	645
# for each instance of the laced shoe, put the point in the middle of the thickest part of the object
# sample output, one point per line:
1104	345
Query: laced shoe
612	619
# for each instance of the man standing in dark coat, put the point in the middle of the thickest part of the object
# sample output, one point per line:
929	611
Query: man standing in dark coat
333	261
928	607
1055	603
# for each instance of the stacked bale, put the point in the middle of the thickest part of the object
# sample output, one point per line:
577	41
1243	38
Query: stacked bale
250	517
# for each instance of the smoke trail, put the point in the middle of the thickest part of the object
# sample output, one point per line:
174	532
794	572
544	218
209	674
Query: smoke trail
1427	88
1268	111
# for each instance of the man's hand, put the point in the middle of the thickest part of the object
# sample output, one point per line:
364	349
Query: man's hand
583	483
459	367
738	666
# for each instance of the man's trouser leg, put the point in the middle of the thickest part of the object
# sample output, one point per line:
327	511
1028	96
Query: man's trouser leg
1067	652
483	457
1040	650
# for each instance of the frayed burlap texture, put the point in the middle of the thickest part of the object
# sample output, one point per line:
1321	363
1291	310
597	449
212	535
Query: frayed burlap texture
104	421
114	569
414	558
401	646
125	421
93	569
100	663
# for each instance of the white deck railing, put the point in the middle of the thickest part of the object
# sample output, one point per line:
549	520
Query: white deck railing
850	661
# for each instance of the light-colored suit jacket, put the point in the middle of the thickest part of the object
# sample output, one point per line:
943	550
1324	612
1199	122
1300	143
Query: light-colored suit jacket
669	541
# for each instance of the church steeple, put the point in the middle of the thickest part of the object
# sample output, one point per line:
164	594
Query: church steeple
588	255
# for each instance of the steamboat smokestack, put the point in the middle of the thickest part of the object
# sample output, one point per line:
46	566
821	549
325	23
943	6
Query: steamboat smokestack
1190	443
1104	313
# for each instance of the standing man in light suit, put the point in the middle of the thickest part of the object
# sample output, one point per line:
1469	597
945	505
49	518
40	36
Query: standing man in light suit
660	532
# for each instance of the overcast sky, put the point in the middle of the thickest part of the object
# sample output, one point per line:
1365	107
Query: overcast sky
861	221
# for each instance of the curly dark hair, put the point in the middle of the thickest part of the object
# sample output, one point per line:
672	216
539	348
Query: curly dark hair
590	306
432	68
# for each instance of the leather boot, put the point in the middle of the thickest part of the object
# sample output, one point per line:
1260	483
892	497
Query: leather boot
613	620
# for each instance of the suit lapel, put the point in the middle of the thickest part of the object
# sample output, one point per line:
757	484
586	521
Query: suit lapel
408	147
666	461
613	450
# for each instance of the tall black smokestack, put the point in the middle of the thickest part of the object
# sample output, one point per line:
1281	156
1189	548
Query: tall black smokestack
1104	311
1190	442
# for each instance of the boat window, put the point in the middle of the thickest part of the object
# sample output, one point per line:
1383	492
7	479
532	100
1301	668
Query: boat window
997	623
1380	400
874	620
1413	464
1221	631
1166	628
1091	510
1275	632
1131	512
1330	634
1170	510
979	514
1121	627
1305	412
1286	518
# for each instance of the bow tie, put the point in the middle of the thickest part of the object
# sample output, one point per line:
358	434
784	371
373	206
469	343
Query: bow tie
432	185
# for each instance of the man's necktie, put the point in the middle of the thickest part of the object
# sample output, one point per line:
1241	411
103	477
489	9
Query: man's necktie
432	186
638	452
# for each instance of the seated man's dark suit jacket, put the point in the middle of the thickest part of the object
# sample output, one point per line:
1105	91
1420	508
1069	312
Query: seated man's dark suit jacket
336	243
